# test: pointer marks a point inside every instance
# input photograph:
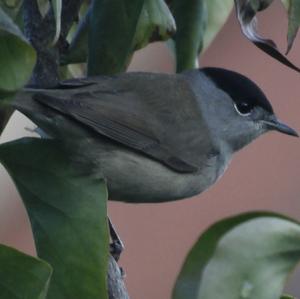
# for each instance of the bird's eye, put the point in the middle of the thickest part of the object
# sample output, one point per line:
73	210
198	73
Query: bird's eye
243	108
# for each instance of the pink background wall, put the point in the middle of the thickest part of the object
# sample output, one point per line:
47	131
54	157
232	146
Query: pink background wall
264	176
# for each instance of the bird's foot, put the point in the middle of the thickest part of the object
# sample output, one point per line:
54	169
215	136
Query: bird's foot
116	247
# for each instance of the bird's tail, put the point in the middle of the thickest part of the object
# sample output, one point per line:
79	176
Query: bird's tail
24	102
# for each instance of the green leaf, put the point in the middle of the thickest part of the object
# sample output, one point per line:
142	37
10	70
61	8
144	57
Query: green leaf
22	276
67	210
293	8
155	23
287	297
217	14
247	256
17	57
57	8
113	26
191	20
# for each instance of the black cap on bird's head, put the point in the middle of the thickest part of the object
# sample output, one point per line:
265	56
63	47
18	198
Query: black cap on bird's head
246	96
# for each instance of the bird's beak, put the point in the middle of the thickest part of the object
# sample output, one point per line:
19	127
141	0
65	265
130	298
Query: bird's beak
274	124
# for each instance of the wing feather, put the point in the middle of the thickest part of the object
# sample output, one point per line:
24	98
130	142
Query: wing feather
119	125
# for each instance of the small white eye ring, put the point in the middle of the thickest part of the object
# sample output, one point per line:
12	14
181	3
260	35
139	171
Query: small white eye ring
239	112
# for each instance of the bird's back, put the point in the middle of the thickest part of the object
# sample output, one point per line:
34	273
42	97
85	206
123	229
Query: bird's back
139	110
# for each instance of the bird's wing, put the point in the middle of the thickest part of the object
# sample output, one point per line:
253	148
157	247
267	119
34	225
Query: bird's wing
137	111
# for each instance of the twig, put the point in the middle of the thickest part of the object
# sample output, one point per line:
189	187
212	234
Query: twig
39	32
116	286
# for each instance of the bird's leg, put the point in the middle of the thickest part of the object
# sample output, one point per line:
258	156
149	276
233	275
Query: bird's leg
116	246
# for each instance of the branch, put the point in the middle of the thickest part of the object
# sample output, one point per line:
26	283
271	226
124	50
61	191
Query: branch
39	32
116	286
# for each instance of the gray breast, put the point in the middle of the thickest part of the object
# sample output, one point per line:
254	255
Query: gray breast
133	177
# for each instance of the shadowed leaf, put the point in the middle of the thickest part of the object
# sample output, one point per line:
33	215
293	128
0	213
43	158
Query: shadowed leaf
191	20
112	30
246	11
247	256
67	211
287	297
22	276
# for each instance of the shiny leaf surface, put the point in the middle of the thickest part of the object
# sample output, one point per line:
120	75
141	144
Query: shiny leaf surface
248	256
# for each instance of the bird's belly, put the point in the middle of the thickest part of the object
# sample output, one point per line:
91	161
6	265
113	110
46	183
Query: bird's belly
132	177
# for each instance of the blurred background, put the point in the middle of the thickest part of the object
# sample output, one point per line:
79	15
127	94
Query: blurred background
263	176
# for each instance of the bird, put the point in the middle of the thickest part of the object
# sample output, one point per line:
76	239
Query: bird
154	137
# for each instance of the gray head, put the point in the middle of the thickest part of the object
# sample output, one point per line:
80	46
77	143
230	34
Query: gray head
243	111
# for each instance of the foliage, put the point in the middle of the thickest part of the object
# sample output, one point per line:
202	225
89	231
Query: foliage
247	256
67	209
